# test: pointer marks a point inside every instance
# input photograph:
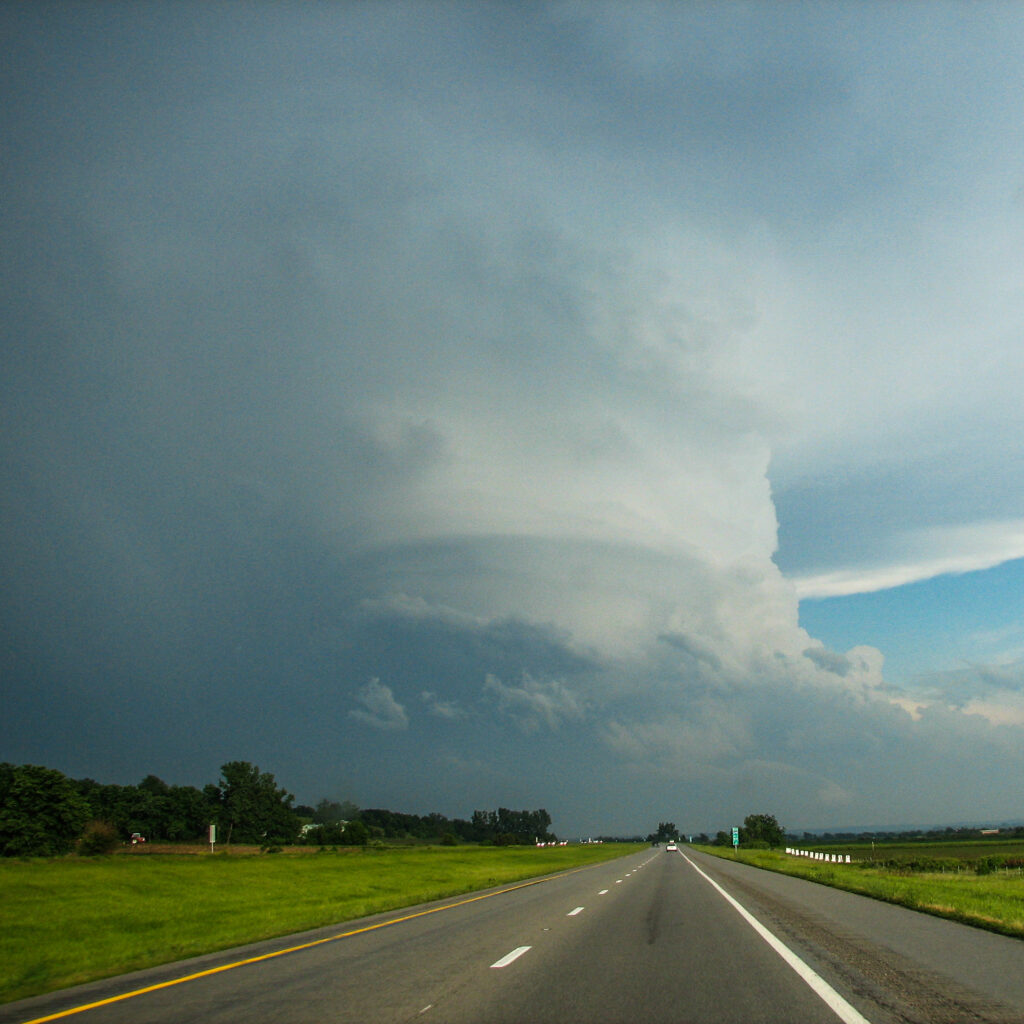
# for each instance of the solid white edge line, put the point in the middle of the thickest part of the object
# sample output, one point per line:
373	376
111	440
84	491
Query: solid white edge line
509	957
842	1009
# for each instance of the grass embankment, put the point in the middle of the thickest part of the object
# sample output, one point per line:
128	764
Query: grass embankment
994	900
71	920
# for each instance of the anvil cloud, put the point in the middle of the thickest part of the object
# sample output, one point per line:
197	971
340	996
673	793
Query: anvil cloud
452	406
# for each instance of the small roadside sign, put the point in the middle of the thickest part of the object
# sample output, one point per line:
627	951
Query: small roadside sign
735	836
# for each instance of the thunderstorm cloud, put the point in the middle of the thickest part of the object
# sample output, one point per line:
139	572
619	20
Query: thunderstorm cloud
449	406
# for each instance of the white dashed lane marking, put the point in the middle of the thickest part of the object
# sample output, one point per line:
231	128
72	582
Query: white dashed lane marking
509	957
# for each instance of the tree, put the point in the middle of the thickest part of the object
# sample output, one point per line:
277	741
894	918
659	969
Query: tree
355	833
666	830
188	813
526	827
98	838
152	807
42	813
251	807
155	785
330	812
762	828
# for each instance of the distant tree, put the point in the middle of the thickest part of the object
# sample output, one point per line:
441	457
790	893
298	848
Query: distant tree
666	830
526	827
762	828
154	785
330	812
98	837
251	808
154	808
188	813
41	811
355	833
483	826
463	829
436	826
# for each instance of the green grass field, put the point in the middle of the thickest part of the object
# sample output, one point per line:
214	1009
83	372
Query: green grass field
70	920
964	851
994	901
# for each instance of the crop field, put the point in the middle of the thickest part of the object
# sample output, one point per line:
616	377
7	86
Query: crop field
974	887
70	920
966	852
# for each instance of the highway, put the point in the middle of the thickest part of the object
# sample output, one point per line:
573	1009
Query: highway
653	937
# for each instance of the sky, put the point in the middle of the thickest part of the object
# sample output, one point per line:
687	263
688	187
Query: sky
610	408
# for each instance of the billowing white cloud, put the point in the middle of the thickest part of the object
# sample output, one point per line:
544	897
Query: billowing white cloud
994	691
535	702
379	707
447	709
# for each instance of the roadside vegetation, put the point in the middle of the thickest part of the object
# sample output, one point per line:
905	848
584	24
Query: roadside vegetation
65	921
100	879
43	813
977	883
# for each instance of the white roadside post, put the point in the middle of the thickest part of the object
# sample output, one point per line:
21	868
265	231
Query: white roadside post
213	835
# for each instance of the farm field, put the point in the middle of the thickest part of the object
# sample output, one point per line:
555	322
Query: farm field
965	851
65	921
965	882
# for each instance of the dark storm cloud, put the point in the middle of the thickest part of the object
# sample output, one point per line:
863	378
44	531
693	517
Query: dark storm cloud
391	385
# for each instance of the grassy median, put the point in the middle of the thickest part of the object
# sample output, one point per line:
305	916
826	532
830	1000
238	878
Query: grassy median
70	920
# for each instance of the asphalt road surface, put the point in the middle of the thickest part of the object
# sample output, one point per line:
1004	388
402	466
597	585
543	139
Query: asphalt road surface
653	937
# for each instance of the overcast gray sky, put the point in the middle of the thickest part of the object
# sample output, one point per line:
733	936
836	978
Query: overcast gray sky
611	408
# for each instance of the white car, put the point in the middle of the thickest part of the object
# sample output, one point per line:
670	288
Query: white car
671	848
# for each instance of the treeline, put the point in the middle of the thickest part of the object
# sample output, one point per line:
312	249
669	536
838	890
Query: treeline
45	813
934	835
762	830
758	830
502	827
508	827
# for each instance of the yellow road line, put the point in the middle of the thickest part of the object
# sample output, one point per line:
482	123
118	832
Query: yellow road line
281	952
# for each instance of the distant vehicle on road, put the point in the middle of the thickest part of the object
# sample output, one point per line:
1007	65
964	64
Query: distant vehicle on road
137	837
671	848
